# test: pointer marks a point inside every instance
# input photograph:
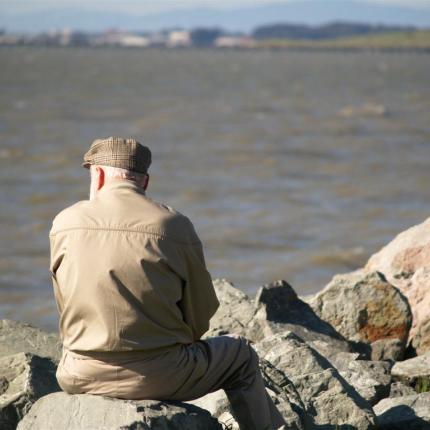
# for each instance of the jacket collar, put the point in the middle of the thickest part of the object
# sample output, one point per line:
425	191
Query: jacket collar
121	184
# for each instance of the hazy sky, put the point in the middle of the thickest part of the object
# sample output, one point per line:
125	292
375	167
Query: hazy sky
154	6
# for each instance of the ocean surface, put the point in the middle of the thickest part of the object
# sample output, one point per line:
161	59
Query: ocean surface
292	165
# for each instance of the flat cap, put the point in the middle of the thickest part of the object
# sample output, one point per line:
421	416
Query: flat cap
119	152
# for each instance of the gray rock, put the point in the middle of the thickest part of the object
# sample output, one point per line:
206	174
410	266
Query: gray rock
364	307
327	398
285	396
371	379
280	309
399	389
84	411
17	337
218	405
414	372
234	313
25	378
387	349
400	413
275	309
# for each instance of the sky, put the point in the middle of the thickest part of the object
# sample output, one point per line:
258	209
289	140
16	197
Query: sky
32	16
155	6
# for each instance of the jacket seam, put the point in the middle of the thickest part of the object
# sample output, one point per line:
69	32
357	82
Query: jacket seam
124	230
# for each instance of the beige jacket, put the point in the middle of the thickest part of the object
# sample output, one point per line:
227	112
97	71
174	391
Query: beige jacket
128	274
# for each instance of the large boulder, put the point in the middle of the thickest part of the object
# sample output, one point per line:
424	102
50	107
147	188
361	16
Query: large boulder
280	309
328	399
85	411
405	262
417	290
400	413
364	308
24	378
16	336
414	372
404	255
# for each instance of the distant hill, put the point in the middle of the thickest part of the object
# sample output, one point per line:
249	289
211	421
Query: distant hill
310	12
394	41
328	31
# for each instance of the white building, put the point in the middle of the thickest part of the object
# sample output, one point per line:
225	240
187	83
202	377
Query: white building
130	40
178	39
234	42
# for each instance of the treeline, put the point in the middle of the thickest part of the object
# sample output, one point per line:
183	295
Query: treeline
323	32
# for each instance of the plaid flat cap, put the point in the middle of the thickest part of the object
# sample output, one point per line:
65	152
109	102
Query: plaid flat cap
119	152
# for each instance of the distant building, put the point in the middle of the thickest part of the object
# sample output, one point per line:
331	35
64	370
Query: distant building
118	38
70	38
178	39
12	39
134	41
234	42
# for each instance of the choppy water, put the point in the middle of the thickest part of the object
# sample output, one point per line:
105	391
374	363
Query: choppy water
291	165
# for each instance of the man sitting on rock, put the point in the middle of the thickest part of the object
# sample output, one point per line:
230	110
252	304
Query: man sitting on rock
135	297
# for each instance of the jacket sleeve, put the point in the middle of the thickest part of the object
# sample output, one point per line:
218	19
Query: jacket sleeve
199	301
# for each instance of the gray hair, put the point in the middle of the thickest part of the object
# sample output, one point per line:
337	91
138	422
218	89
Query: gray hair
119	173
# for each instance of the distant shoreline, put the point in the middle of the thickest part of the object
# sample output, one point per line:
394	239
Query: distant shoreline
304	49
394	41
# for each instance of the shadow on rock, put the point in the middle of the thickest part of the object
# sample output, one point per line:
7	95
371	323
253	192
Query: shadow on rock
402	417
278	305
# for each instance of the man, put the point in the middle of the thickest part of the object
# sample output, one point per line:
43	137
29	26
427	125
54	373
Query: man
135	297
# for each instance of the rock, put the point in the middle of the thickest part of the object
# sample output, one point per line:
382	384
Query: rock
17	337
405	262
400	413
399	389
414	372
404	255
280	309
327	398
218	405
418	293
387	349
285	396
371	379
275	309
25	378
364	307
234	313
86	411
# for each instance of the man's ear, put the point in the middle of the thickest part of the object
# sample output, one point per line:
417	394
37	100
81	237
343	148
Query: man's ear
146	182
100	175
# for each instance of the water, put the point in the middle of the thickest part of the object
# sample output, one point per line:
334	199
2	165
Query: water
291	165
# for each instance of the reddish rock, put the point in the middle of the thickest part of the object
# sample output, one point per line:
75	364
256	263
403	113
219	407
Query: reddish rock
405	262
364	307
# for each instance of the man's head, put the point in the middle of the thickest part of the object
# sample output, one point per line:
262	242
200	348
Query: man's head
117	158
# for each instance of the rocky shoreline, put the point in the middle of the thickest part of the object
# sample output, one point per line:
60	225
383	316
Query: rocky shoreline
356	355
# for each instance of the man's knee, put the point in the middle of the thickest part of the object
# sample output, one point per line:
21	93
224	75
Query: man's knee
249	350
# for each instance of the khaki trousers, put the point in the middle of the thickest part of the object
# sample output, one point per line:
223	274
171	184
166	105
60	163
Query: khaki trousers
184	372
